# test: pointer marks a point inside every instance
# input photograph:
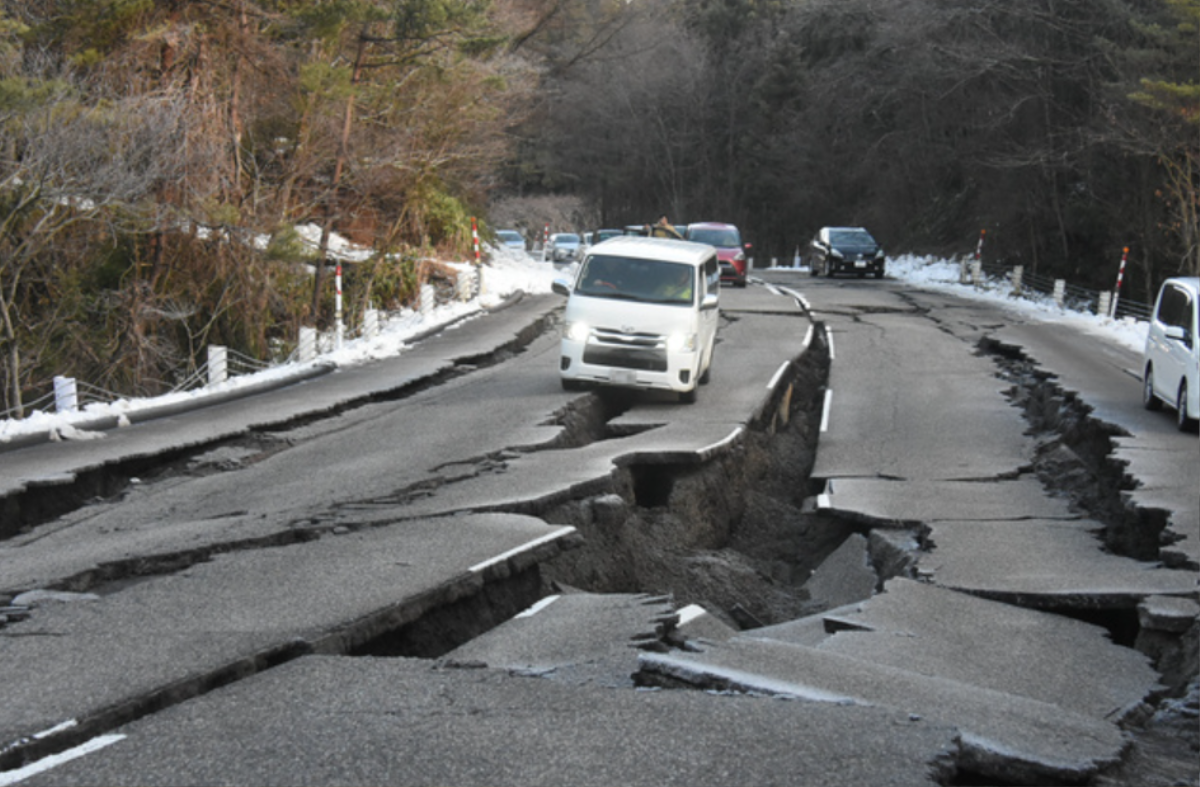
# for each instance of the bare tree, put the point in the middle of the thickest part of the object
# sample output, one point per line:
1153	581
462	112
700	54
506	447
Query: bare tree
70	162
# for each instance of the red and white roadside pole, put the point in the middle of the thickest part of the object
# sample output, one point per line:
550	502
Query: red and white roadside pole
475	239
1112	311
545	240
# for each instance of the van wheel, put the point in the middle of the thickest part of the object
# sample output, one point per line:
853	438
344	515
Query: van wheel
572	385
1184	423
704	378
1149	400
688	397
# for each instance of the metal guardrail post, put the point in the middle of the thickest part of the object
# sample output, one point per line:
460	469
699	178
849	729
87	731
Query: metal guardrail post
1060	291
1018	272
307	348
428	296
66	398
463	283
218	364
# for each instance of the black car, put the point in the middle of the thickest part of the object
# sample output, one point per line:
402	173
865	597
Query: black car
845	250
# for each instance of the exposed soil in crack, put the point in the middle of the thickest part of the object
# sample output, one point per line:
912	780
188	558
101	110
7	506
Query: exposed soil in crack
1075	459
733	534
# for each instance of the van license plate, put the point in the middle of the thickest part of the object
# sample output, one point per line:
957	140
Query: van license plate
623	377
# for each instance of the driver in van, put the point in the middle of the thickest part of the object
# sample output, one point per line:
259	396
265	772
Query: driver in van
677	286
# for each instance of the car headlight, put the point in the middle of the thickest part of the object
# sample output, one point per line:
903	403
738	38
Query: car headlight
681	342
577	331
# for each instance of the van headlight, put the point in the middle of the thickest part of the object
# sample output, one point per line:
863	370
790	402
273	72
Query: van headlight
681	342
577	331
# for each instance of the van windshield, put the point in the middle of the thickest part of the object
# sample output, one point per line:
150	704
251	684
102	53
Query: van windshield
634	279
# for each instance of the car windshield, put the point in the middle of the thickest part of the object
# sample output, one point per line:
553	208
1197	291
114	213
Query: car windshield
715	236
633	279
510	235
851	238
566	237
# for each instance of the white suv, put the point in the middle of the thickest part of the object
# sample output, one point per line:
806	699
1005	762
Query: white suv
1171	365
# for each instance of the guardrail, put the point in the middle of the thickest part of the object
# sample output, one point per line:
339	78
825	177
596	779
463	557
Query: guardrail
222	363
1067	296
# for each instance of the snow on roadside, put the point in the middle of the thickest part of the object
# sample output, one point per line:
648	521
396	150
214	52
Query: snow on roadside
509	272
506	273
943	276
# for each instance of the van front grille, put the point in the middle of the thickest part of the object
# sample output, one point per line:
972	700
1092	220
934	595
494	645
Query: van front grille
648	360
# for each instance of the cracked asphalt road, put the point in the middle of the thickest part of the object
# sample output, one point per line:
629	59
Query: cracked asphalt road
914	408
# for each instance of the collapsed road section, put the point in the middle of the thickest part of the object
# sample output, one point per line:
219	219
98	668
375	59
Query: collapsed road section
316	538
690	536
937	458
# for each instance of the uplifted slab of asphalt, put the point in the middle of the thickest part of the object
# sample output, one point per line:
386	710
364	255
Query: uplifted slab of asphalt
1053	559
981	536
163	639
939	632
1004	736
333	721
883	501
584	638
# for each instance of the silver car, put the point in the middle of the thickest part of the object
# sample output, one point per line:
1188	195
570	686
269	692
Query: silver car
563	247
511	239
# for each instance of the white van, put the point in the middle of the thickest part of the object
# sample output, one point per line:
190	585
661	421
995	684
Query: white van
641	313
1171	362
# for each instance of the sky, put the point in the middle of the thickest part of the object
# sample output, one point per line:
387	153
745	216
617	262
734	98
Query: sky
508	272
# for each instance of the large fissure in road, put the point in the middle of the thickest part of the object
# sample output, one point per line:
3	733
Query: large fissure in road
735	534
1074	459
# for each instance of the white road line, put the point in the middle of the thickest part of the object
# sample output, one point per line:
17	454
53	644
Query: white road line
57	728
825	409
709	450
562	531
54	760
538	607
829	341
778	373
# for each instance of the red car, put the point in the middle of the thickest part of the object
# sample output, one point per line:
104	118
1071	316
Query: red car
728	243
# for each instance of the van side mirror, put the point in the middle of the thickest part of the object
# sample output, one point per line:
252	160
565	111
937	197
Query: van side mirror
1178	333
711	301
561	286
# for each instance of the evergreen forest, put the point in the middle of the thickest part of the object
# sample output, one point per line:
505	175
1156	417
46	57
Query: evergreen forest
159	159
